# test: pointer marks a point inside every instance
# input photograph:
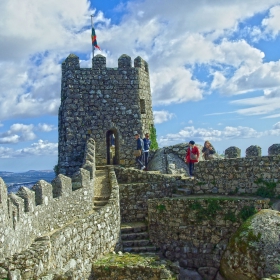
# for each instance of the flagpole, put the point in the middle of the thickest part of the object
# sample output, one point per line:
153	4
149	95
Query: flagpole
91	31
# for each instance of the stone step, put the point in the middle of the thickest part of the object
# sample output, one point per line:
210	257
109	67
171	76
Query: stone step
101	198
97	207
137	243
133	227
100	202
177	195
135	236
140	249
101	167
183	191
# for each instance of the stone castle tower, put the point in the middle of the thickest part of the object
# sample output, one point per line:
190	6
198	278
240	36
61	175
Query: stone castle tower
106	104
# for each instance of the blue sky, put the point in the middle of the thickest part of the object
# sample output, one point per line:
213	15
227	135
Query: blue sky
214	69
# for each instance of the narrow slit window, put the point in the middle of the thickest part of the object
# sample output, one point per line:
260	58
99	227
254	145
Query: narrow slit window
142	106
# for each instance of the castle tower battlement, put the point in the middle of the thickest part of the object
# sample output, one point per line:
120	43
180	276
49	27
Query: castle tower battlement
106	104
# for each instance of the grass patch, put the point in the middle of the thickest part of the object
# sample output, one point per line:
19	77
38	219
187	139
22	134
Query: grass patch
230	216
246	212
266	188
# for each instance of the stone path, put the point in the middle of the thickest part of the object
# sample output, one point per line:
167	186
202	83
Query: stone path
135	239
102	188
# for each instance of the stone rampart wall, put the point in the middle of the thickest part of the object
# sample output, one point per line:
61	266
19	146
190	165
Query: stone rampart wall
33	213
136	187
195	230
72	247
237	175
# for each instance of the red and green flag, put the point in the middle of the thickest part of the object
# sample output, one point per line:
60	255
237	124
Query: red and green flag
93	39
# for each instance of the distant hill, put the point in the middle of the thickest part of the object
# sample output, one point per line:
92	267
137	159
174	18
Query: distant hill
15	180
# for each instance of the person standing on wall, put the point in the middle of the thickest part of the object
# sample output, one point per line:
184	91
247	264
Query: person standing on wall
208	151
147	144
192	156
139	150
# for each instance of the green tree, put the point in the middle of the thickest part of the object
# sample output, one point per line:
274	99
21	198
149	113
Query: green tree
153	138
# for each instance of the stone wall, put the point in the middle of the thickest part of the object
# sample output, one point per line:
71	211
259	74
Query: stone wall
240	175
33	213
136	187
101	102
195	230
73	247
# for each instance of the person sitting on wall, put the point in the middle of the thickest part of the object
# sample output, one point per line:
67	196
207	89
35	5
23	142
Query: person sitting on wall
140	148
208	151
192	156
147	144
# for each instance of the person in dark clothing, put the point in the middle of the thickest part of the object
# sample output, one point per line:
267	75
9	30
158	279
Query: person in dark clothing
208	151
147	144
139	146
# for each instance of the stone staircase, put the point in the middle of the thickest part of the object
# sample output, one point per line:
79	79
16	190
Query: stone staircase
102	187
135	239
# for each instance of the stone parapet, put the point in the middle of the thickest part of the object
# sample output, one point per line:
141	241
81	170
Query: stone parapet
46	207
72	247
232	152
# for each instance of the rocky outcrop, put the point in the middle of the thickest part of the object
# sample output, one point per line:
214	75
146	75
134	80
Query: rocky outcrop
170	159
253	251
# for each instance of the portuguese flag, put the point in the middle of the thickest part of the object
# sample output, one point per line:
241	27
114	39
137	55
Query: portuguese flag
93	39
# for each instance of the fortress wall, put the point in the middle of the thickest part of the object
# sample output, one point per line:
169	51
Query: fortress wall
194	237
74	246
47	207
136	187
95	101
237	175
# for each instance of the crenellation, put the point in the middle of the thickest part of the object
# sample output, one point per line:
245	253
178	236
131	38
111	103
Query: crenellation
61	186
124	62
43	192
3	193
29	199
99	62
139	62
81	179
16	208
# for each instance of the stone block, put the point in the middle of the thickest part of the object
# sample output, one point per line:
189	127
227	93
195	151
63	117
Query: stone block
274	150
254	151
232	152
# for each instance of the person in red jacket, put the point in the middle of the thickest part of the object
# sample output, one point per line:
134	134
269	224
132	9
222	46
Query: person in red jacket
192	156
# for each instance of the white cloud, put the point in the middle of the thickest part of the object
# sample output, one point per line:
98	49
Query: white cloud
172	45
190	132
36	149
276	126
271	23
190	122
46	127
162	116
17	133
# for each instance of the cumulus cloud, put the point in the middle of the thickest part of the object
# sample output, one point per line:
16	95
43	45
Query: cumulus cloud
46	127
18	133
42	147
162	116
34	64
271	23
198	134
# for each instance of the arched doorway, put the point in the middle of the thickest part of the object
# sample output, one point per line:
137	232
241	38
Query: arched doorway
112	146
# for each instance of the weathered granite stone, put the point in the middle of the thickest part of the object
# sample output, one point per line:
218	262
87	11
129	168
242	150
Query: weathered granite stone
232	152
274	150
254	151
253	251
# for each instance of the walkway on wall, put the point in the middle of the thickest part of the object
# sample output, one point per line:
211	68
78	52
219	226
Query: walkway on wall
102	188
